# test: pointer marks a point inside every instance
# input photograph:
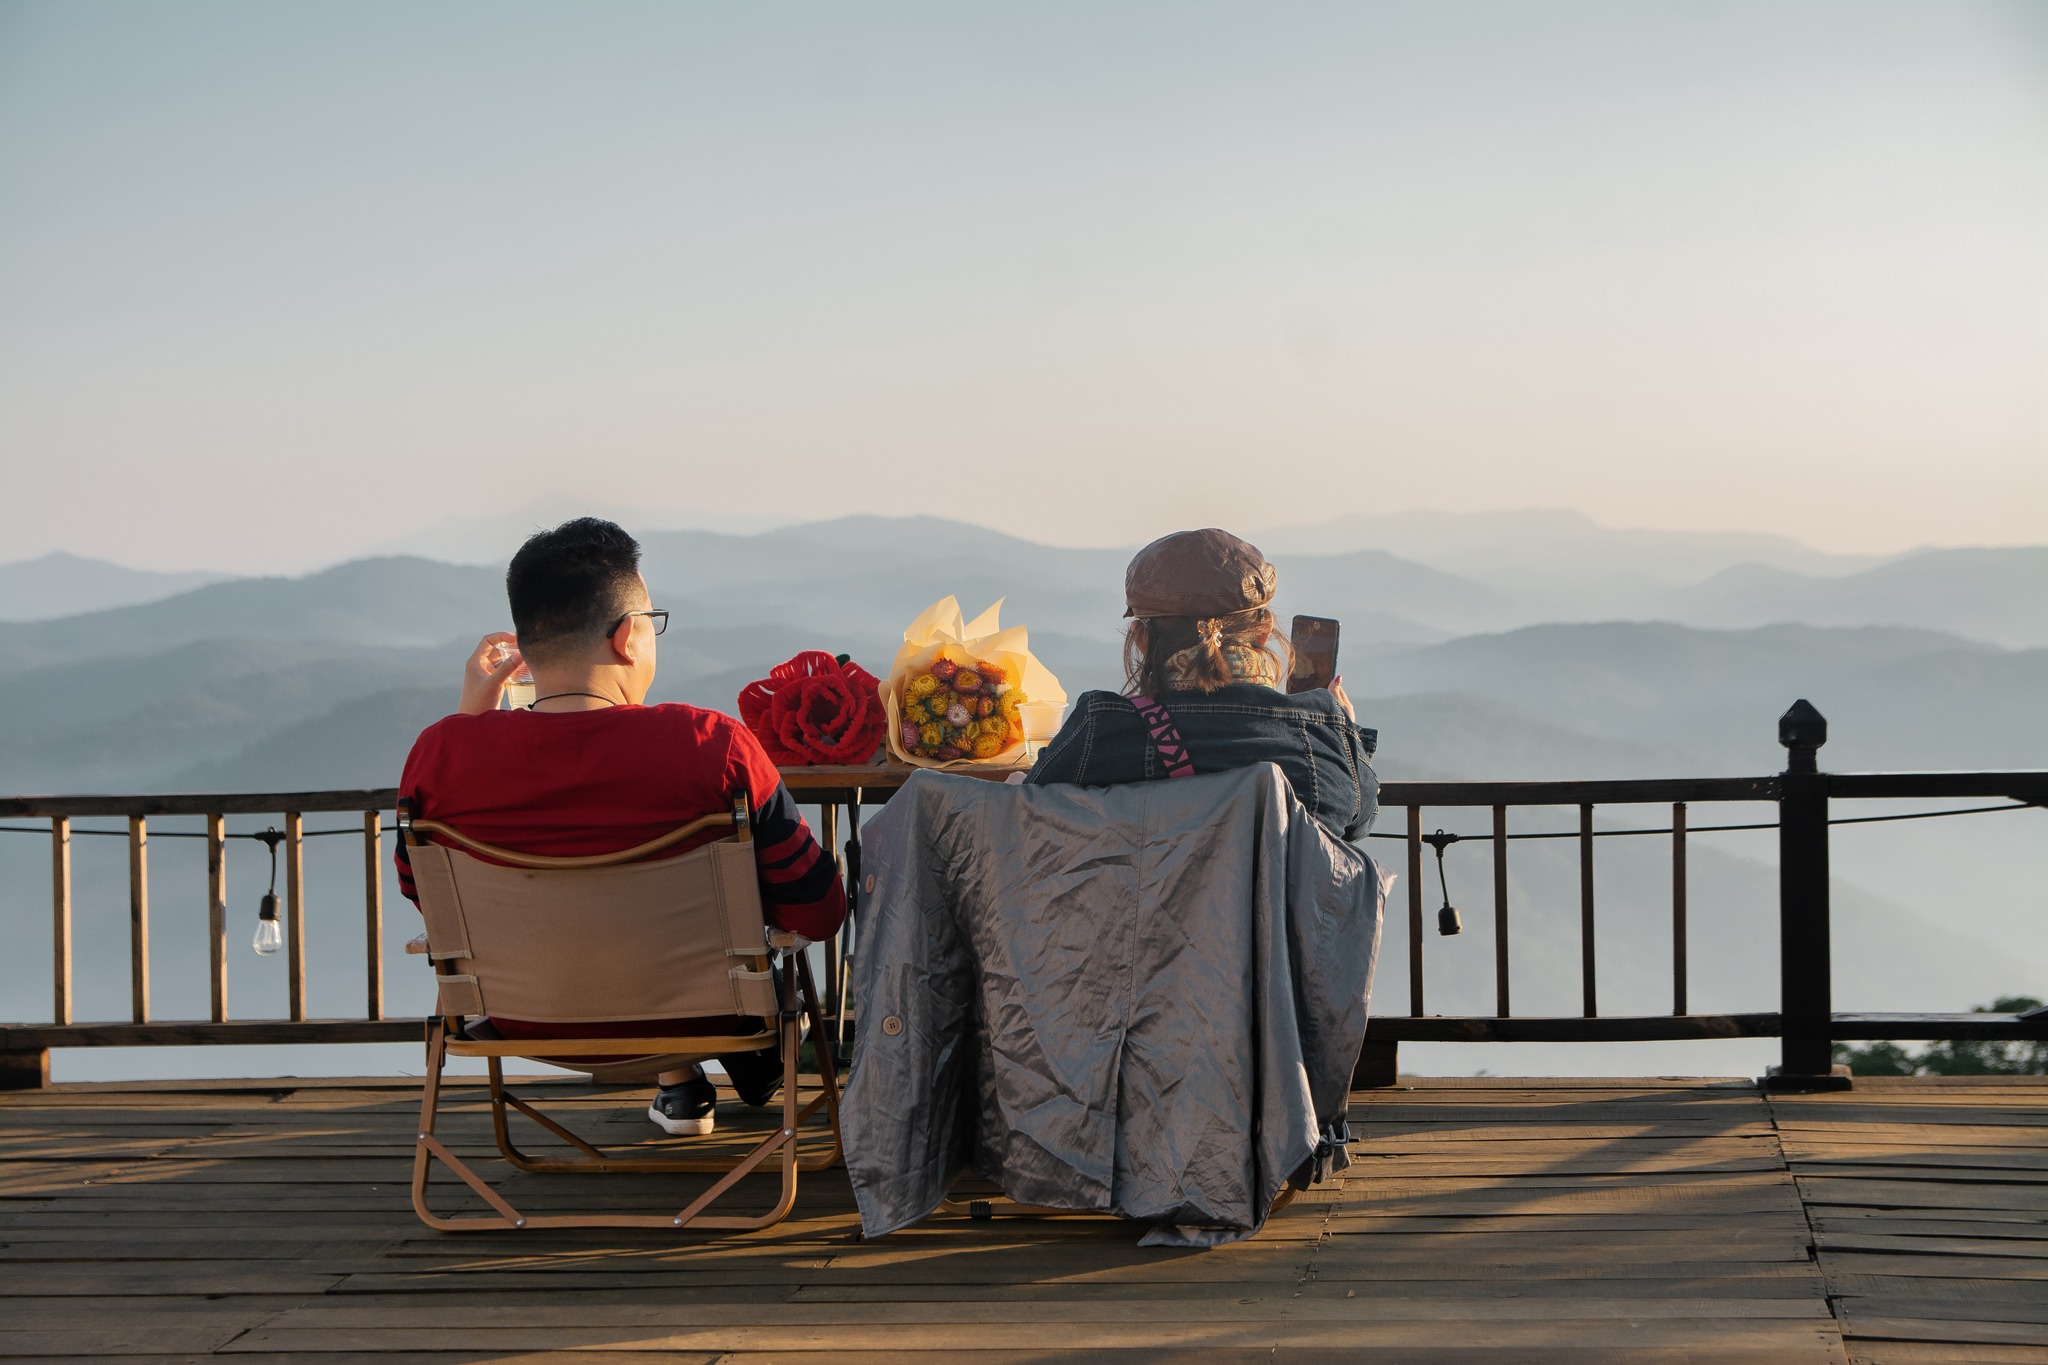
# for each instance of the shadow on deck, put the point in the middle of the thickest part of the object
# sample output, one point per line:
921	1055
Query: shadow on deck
1502	1220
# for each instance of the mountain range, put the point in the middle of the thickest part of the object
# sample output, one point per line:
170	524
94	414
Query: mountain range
1927	660
1410	576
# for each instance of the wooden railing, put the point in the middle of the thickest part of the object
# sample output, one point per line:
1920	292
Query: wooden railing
1805	1020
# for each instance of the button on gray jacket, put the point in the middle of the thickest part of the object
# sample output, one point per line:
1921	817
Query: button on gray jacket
1143	999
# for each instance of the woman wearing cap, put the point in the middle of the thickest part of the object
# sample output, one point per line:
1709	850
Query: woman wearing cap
1202	665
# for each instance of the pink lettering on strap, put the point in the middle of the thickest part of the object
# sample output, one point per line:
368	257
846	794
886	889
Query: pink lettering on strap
1173	753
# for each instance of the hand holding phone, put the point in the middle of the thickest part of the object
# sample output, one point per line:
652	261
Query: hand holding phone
1315	653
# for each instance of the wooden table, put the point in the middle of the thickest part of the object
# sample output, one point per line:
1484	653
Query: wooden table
872	784
853	785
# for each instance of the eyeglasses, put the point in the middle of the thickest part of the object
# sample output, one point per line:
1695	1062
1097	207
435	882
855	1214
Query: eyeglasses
658	618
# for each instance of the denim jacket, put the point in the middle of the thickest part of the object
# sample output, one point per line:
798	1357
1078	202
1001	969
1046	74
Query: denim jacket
1326	756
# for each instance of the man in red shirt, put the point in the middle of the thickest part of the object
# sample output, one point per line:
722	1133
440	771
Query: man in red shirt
588	769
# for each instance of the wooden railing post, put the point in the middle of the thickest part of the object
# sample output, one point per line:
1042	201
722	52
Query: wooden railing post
217	914
1415	911
373	913
295	911
28	1068
60	919
138	917
828	818
1678	929
1500	911
1805	988
1589	983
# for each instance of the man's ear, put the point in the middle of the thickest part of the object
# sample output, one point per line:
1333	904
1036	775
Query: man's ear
620	644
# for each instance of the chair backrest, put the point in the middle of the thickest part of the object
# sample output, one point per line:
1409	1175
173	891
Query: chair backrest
607	938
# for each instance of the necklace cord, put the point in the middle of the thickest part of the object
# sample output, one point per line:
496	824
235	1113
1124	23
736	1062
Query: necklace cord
552	695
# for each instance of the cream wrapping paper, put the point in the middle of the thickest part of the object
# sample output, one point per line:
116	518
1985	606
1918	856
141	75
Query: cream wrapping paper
939	632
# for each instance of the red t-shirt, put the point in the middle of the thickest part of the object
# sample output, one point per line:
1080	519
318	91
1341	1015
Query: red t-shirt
564	783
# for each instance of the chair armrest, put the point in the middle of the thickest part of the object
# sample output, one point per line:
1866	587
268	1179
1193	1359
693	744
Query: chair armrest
417	946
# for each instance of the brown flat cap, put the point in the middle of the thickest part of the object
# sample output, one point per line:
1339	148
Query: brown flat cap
1197	573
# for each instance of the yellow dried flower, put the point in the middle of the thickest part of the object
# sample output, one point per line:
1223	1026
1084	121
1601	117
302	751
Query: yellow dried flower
930	736
988	746
915	713
923	685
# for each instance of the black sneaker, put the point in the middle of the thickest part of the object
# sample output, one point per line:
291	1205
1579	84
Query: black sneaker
686	1110
755	1076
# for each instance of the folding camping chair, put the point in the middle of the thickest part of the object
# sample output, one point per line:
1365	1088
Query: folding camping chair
611	938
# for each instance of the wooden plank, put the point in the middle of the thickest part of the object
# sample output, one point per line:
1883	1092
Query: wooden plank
1687	1282
1864	1352
1923	1171
164	1277
1974	1112
1889	1324
205	1032
1921	1194
1283	1355
1487	1028
2035	1248
2032	1307
1993	1296
1887	1222
199	803
1790	1340
1275	1306
1930	1134
118	1339
1836	1263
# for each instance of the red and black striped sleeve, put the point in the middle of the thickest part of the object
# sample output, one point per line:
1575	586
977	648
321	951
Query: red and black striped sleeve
800	886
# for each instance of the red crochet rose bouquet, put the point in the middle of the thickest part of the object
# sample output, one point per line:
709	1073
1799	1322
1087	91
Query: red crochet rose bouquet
816	709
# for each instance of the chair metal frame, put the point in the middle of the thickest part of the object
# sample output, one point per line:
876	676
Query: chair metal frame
797	1003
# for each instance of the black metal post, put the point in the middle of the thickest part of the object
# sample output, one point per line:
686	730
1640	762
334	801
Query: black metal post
1805	990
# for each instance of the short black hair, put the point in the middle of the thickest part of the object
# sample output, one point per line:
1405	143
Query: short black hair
566	585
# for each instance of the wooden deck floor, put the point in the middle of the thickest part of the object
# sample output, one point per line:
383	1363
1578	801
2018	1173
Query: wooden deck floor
1566	1221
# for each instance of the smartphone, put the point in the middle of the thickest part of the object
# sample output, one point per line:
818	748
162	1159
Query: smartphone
1315	653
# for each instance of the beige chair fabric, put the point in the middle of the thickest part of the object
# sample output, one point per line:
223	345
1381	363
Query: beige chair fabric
624	939
673	938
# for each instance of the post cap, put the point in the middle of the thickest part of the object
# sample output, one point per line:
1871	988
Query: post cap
1803	726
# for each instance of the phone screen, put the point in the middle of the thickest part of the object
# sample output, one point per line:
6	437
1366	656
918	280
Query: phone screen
1315	653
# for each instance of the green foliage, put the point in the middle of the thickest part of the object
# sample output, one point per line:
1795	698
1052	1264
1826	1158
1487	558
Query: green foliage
1955	1058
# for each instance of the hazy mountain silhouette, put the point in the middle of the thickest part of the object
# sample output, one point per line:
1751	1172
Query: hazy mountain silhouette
1564	556
1716	694
1999	595
60	584
370	602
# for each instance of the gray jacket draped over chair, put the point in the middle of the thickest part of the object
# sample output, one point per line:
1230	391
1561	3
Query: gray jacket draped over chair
1144	1000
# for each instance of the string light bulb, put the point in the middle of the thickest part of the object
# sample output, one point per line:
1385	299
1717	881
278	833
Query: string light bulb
269	931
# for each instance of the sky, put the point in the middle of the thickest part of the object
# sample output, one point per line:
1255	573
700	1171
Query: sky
280	283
